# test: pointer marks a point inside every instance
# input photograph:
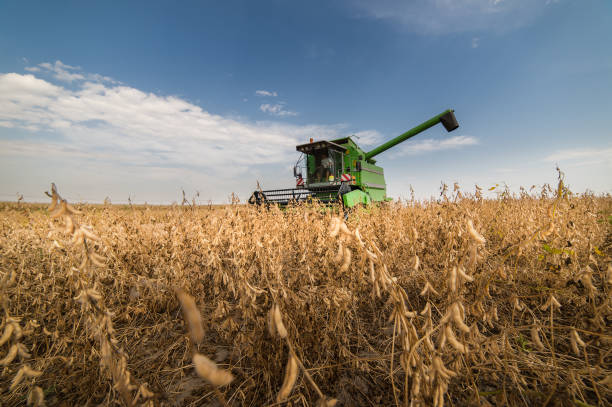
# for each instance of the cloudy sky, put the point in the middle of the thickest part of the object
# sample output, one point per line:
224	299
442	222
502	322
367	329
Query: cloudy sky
143	99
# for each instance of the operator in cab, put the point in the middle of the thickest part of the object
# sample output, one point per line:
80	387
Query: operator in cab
325	169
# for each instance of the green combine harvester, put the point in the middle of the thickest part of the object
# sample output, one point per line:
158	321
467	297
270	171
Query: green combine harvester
339	171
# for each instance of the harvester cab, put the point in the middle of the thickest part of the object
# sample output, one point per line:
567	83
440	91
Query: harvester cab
339	171
324	161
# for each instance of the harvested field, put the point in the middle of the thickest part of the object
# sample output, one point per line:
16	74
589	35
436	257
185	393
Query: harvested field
463	301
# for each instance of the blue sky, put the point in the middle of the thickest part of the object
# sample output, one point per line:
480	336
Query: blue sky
142	99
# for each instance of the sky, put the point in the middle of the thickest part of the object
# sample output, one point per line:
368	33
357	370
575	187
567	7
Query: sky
143	99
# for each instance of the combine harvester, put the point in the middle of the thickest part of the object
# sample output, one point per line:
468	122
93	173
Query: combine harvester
339	171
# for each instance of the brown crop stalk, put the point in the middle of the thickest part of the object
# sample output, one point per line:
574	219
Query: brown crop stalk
97	317
416	303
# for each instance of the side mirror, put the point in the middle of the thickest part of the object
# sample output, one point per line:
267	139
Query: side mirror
295	171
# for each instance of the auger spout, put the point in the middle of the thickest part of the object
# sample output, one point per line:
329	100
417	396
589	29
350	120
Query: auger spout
447	118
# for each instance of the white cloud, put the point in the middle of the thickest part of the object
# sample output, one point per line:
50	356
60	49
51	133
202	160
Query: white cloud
581	156
448	16
431	145
368	137
266	93
475	42
62	71
125	129
276	110
98	117
68	73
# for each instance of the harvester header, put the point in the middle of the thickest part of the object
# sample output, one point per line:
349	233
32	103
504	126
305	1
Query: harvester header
340	171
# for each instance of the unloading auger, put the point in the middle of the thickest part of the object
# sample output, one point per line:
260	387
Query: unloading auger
339	171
